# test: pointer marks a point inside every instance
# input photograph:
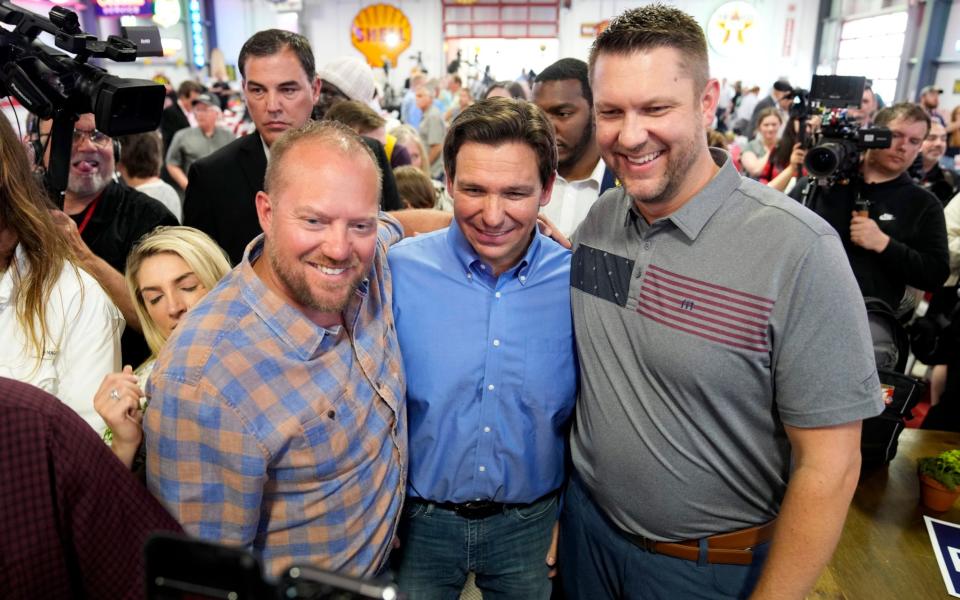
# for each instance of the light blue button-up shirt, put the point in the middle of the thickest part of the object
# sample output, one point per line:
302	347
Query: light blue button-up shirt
490	365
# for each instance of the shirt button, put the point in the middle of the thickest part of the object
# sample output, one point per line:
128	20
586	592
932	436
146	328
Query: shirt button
486	430
484	267
496	342
482	468
490	387
646	245
497	295
523	278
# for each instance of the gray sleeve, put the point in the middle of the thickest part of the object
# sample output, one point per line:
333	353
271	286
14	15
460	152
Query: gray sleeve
434	131
173	152
823	365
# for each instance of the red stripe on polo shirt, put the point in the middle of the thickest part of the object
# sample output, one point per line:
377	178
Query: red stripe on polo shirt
710	311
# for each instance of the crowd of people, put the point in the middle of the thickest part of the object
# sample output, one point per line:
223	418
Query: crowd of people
355	343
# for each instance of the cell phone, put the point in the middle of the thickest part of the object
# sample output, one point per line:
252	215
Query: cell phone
317	584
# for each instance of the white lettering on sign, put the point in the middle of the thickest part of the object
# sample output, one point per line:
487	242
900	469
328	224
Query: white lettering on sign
954	557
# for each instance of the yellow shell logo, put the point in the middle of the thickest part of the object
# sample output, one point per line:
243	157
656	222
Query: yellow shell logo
381	32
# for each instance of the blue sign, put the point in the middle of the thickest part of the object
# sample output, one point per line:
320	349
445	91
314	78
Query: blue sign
945	538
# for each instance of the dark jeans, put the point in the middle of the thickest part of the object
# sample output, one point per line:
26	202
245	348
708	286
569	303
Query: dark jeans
596	561
506	552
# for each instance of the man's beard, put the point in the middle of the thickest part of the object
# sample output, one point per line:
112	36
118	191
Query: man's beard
300	290
582	144
87	186
680	160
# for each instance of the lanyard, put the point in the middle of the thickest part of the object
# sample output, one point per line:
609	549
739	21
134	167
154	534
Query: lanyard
86	219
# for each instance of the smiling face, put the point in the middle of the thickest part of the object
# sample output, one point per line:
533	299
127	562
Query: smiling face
279	94
169	288
907	138
496	198
572	119
321	229
652	133
935	144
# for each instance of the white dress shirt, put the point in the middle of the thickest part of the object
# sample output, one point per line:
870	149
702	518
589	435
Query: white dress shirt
571	200
83	338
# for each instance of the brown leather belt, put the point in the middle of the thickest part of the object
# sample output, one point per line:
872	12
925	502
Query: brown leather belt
734	548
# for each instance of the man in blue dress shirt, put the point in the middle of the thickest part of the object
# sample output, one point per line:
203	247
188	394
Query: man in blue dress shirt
483	318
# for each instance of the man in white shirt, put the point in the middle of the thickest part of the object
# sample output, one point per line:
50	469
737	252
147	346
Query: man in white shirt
562	90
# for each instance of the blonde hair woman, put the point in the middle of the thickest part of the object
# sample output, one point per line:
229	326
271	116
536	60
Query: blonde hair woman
168	272
59	330
409	138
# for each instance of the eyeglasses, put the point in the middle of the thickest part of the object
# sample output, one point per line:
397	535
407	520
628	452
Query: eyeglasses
97	138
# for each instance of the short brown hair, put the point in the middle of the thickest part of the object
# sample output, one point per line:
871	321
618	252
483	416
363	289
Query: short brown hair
656	26
356	115
274	41
332	133
188	87
496	121
414	187
142	154
908	111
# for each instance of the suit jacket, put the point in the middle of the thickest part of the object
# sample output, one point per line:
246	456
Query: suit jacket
221	195
172	120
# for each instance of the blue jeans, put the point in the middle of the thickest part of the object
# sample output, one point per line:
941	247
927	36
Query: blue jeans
596	561
506	552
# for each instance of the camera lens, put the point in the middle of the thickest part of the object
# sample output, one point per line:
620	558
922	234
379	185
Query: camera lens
824	159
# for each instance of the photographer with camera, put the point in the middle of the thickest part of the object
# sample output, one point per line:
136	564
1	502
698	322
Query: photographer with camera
892	229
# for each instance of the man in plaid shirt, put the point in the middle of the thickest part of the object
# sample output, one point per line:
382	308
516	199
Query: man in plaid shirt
276	419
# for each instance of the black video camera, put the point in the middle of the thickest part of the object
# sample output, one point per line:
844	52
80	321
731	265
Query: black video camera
833	152
55	86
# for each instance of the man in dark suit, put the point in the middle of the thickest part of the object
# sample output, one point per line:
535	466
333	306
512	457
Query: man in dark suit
175	118
281	87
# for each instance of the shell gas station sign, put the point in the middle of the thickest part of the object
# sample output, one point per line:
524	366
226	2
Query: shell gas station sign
381	32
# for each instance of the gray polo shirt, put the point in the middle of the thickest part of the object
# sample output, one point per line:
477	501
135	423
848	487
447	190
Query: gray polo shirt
699	336
432	132
189	145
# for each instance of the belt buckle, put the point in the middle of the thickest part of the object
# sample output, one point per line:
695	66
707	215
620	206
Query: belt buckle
476	510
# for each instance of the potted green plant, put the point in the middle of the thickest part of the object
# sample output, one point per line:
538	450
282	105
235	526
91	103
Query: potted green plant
939	478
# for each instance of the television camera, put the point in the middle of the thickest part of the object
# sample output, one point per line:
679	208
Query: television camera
53	85
834	150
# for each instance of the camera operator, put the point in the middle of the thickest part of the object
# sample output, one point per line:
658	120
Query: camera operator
902	240
102	219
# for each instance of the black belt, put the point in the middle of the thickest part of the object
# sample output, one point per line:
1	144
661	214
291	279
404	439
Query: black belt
479	509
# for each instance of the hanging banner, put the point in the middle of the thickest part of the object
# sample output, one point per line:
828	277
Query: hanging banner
381	32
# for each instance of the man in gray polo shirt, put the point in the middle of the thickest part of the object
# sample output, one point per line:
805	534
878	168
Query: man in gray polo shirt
725	357
193	143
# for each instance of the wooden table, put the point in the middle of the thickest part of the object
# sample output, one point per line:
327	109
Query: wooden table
885	550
